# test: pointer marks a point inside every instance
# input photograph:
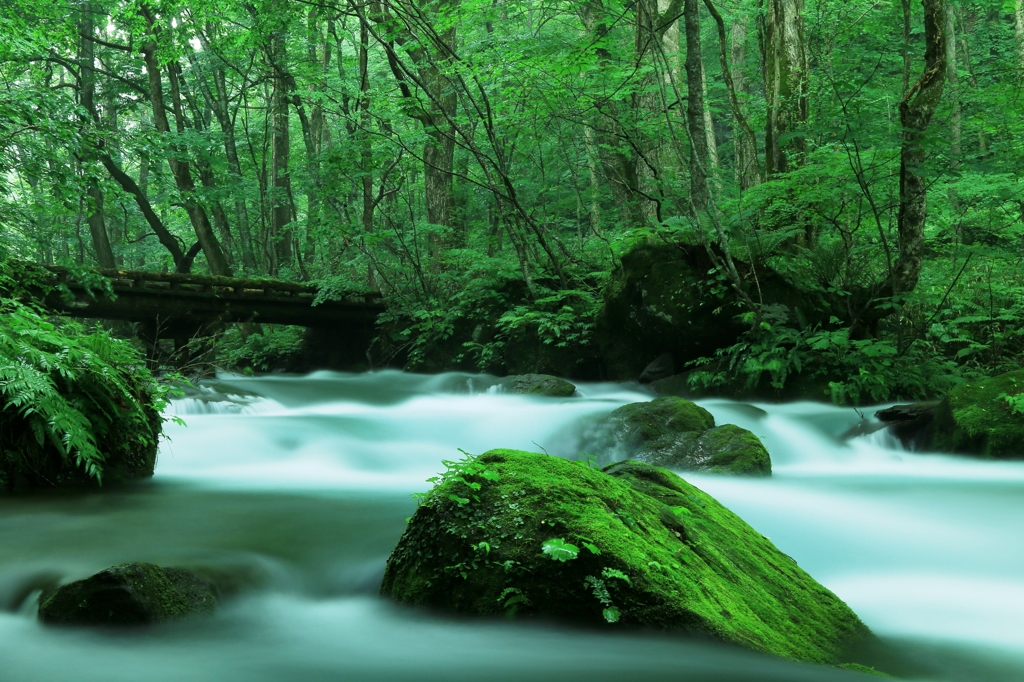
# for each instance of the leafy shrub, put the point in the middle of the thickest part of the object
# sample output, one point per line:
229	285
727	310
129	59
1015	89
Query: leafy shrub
277	346
77	404
857	371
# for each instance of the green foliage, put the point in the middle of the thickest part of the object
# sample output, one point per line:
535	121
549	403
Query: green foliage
277	346
560	550
68	388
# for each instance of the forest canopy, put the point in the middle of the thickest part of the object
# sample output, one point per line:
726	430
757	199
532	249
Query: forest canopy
461	155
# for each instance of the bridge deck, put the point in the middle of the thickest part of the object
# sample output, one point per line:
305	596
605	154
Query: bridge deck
147	296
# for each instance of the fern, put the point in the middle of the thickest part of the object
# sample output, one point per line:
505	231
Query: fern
64	390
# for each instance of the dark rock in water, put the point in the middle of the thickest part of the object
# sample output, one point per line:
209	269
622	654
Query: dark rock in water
661	368
518	533
539	384
129	594
910	423
900	413
984	418
677	384
676	433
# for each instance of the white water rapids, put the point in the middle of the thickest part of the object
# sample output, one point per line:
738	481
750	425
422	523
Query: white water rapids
298	488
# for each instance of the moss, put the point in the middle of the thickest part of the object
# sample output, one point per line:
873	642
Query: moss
676	433
662	417
734	450
539	384
656	549
974	419
129	594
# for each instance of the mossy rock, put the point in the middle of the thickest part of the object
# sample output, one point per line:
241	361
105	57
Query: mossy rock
539	384
974	419
662	300
673	432
129	594
661	418
521	533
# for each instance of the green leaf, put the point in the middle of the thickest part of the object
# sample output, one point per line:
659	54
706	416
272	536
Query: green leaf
560	550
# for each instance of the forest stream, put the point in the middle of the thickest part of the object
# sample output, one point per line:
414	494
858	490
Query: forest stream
299	487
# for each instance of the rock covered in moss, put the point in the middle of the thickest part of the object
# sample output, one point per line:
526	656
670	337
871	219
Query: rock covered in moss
983	418
129	594
514	532
676	433
539	384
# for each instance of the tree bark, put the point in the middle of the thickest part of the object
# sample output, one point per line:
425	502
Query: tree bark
906	44
916	110
785	83
695	121
280	150
748	170
180	168
87	95
1018	30
219	103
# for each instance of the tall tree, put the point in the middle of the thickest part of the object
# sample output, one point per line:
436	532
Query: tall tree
916	110
87	97
784	55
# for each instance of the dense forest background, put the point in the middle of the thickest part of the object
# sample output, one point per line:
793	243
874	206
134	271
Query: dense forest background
489	163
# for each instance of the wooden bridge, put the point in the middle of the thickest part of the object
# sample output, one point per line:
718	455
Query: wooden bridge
180	307
144	296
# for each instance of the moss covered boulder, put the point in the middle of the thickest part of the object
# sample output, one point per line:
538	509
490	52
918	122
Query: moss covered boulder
516	533
676	433
663	300
129	594
984	418
539	384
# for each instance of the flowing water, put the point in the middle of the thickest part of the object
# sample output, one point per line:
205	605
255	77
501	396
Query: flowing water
297	488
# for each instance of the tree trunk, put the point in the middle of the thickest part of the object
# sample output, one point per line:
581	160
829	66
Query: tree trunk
949	21
1018	30
906	44
695	121
916	110
87	93
180	169
949	29
748	170
227	126
785	83
280	178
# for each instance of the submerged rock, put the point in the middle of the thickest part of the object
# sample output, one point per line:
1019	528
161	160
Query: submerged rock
129	594
676	433
539	384
514	532
983	418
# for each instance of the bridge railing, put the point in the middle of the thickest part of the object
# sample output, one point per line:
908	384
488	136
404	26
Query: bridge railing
205	285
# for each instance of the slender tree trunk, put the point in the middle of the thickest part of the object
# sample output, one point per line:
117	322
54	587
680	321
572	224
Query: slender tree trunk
219	103
87	93
916	110
180	169
695	121
906	44
949	20
949	28
281	208
593	157
1018	30
785	83
748	170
